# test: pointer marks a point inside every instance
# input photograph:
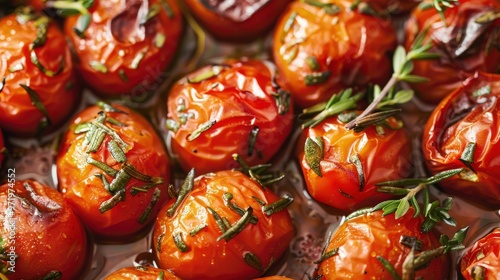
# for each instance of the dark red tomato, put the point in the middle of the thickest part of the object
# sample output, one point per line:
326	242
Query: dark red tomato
462	132
341	167
39	235
219	110
481	261
362	240
2	148
114	171
324	47
237	20
196	237
127	46
464	44
142	273
38	90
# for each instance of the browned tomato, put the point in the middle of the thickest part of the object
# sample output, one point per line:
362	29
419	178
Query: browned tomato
321	47
481	261
38	90
223	225
462	132
141	272
229	108
237	20
40	236
466	42
127	45
113	170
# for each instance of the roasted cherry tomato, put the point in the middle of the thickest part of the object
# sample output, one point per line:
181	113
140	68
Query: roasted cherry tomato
2	148
237	20
481	261
321	47
127	45
38	90
40	236
141	272
359	244
466	42
462	133
222	225
114	171
229	108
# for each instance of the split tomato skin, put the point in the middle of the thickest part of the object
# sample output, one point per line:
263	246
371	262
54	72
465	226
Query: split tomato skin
82	183
143	273
48	236
120	56
461	120
237	102
207	258
482	258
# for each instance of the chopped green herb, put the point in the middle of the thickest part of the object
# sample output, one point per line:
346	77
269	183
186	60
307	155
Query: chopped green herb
313	151
17	67
278	205
252	139
149	209
252	260
485	90
159	40
218	219
197	229
185	189
467	157
354	159
238	226
112	202
210	73
313	63
98	66
123	76
120	182
317	78
179	243
137	60
201	128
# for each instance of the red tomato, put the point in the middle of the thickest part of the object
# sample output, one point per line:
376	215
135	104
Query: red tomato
38	90
465	46
382	157
42	231
2	148
189	241
481	260
113	170
127	46
239	110
141	272
321	50
385	7
466	123
237	20
361	240
274	278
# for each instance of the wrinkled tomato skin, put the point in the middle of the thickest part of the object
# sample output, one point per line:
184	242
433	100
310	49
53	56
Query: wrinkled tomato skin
59	94
206	257
353	46
484	254
459	119
115	40
45	239
240	21
86	192
143	273
363	238
239	99
383	158
447	72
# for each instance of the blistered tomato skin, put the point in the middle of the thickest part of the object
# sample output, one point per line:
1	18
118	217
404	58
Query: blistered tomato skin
467	120
43	232
117	197
236	111
122	53
383	157
319	52
52	81
143	273
464	46
482	258
194	223
361	239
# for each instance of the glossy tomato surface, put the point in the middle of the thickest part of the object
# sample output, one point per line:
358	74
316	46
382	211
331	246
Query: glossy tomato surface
197	223
464	45
142	273
127	46
319	51
482	259
467	123
39	227
220	110
114	171
38	90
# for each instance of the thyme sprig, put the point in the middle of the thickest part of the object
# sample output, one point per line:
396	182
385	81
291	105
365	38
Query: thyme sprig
259	172
441	5
69	8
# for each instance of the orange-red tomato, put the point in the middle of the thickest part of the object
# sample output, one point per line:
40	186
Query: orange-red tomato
481	260
40	234
382	157
240	110
142	273
361	240
237	20
189	241
464	46
462	132
38	90
114	171
127	46
321	50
